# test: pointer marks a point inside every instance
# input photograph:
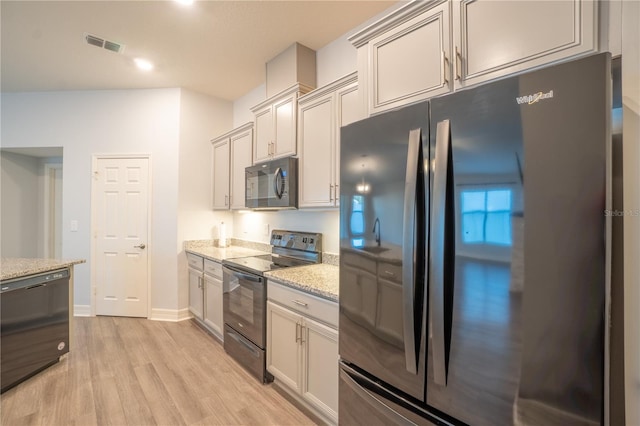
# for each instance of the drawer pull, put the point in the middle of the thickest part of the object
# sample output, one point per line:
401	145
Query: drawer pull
297	302
390	273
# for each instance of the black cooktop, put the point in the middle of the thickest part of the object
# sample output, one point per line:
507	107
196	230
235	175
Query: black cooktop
264	263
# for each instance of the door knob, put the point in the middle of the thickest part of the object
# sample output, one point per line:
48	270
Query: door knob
141	246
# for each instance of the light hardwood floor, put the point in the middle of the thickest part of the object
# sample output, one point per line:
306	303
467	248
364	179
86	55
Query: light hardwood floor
128	371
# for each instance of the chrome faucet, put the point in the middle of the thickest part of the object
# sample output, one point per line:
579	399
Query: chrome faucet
377	224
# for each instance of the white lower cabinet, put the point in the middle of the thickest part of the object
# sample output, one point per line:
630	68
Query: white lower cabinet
196	305
205	293
302	353
195	272
320	366
212	297
283	345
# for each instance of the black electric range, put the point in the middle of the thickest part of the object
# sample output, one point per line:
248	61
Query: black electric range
244	295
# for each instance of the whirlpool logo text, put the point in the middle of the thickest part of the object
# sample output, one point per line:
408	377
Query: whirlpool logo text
532	99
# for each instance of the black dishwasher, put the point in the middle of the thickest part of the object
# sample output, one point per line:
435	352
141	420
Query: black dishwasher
34	324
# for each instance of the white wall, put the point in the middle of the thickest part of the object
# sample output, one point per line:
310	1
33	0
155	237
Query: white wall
20	208
85	123
251	225
201	119
242	107
335	60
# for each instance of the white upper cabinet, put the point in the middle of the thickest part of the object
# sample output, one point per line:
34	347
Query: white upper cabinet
221	174
241	155
404	58
231	155
428	48
321	114
275	125
493	39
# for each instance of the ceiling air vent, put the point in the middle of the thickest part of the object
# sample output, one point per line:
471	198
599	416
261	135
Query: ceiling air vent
102	43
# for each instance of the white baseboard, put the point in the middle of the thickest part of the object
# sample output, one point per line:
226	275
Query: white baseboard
81	310
173	315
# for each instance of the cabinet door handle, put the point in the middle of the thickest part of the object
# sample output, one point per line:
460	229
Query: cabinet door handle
458	64
298	302
302	327
226	200
199	282
330	193
297	332
445	68
336	194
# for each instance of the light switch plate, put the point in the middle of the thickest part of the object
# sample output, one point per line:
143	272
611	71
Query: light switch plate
73	226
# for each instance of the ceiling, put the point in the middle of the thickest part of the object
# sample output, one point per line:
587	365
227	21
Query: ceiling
214	47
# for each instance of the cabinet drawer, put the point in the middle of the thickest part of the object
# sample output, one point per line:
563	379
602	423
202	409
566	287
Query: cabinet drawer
307	304
195	262
213	268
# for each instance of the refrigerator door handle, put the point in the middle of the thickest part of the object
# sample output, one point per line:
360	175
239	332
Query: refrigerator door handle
436	252
408	251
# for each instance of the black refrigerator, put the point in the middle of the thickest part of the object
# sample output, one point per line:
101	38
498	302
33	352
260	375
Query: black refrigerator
474	247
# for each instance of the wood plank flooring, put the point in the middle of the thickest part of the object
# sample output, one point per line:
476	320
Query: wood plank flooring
129	371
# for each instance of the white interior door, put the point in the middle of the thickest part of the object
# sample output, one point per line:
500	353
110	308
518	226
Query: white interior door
121	212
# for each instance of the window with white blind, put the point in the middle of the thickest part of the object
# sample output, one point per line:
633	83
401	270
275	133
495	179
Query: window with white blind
356	221
486	217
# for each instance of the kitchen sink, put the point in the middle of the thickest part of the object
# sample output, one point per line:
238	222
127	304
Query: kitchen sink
374	249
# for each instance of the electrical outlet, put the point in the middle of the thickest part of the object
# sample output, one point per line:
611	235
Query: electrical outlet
265	229
73	226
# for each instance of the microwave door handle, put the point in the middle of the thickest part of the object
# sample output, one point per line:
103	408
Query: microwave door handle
408	251
436	251
277	175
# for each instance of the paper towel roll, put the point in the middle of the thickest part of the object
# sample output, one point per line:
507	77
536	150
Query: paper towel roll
222	238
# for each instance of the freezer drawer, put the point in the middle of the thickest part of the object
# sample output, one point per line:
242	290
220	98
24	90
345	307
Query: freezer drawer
363	402
246	353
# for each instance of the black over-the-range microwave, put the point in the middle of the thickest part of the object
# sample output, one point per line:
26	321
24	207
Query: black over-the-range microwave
272	185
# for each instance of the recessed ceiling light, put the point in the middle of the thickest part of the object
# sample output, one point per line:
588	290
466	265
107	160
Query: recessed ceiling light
143	64
185	2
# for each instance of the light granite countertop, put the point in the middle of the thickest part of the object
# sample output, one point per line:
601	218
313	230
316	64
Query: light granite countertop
15	267
319	280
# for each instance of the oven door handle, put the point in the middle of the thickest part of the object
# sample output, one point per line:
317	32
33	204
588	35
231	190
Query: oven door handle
242	275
